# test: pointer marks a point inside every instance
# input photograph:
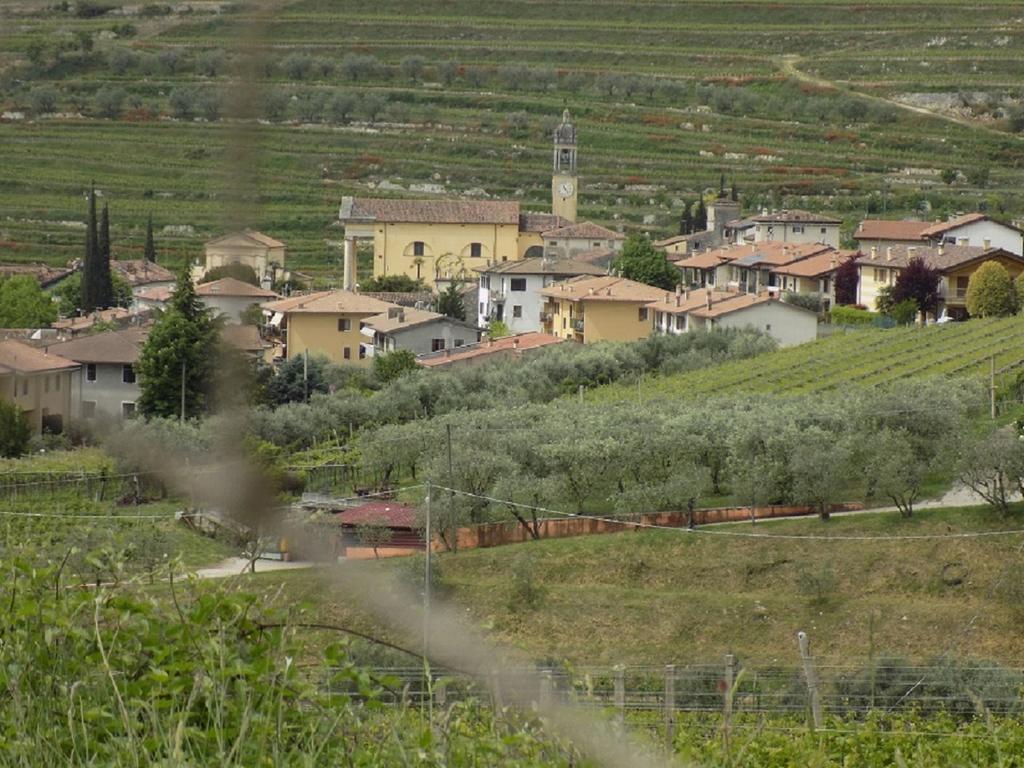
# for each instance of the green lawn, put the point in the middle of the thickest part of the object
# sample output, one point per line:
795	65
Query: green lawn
655	597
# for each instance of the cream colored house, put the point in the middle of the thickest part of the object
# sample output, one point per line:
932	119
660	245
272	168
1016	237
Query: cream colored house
814	275
231	297
747	268
327	323
254	249
37	382
955	263
796	227
570	241
591	309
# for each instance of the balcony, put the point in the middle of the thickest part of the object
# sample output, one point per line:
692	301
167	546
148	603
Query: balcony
546	316
496	294
577	325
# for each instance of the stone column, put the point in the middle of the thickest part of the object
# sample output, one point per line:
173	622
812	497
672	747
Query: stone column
349	281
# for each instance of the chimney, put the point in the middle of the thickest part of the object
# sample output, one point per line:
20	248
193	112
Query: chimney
888	253
515	343
941	249
911	250
679	299
349	274
986	243
401	317
874	252
962	241
590	291
686	295
833	262
709	298
679	288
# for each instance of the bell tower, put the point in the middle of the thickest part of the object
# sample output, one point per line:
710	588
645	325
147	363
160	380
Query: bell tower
564	182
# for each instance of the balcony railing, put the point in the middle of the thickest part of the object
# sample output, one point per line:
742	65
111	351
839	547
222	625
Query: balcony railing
577	325
546	317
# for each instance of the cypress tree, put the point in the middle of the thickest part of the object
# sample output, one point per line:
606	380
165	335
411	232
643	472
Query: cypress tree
735	194
89	297
150	251
700	222
721	185
104	282
686	221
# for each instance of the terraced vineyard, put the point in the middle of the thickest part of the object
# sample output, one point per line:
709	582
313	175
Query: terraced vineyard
794	101
862	358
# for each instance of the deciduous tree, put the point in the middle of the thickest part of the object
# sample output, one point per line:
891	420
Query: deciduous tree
919	282
991	292
392	365
23	304
846	278
640	261
15	431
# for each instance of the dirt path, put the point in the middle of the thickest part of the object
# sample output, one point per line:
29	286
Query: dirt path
234	566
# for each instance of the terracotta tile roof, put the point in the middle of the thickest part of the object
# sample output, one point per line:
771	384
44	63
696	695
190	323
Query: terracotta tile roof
244	337
401	298
942	258
44	274
941	227
389	513
121	346
16	357
520	342
256	237
769	253
739	303
608	288
540	222
88	321
880	229
705	259
328	302
680	304
817	265
389	321
156	293
796	217
230	286
585	230
140	271
430	211
543	266
598	256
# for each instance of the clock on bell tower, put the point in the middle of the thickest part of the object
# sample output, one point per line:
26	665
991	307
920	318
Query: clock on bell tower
564	182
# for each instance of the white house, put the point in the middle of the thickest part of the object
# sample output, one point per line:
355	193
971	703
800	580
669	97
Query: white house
417	330
569	241
105	386
706	309
796	227
509	291
232	297
976	229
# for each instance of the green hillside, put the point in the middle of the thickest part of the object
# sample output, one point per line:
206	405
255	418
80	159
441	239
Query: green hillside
655	597
796	102
862	357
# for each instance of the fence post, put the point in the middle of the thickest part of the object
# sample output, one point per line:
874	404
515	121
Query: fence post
730	669
812	678
670	706
620	695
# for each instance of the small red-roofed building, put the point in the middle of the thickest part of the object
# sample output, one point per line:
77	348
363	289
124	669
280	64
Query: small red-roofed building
402	520
489	351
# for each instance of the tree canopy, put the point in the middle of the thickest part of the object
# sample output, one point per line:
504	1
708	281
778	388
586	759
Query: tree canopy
69	294
919	282
991	292
15	431
23	304
297	378
181	348
392	284
846	279
450	303
640	261
242	272
97	290
392	365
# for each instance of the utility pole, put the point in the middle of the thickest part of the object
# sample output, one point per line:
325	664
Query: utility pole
992	386
305	375
811	677
182	416
426	607
451	489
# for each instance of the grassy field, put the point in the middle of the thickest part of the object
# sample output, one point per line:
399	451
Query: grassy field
864	358
669	596
788	100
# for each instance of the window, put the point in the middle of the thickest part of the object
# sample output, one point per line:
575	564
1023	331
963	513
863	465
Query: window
518	283
24	386
417	248
564	324
460	342
679	322
128	374
768	326
436	345
476	250
127	410
642	314
362	352
881	275
344	324
88	409
797	229
517	310
824	230
346	352
597	243
56	382
961	287
90	372
481	311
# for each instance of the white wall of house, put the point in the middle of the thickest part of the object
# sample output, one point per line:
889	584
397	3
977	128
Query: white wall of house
796	232
499	297
998	236
785	323
571	247
99	390
427	337
232	306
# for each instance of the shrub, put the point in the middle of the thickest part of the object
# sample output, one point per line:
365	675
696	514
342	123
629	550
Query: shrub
811	301
110	101
42	100
297	66
393	365
991	292
242	272
183	102
15	431
852	316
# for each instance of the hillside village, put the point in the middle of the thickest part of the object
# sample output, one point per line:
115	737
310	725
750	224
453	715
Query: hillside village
534	384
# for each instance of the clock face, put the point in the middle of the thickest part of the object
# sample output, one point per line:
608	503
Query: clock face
565	189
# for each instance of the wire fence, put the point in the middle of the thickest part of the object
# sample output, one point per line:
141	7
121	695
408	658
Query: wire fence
962	690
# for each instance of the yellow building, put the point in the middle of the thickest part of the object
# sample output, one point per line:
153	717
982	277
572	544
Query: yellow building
432	239
591	309
955	263
254	249
326	323
38	383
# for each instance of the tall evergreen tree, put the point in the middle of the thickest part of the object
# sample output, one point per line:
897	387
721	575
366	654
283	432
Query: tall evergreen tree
700	222
735	193
177	354
686	221
104	282
721	185
90	266
150	251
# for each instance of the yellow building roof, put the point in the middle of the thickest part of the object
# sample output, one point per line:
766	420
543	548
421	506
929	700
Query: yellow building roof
603	288
328	303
